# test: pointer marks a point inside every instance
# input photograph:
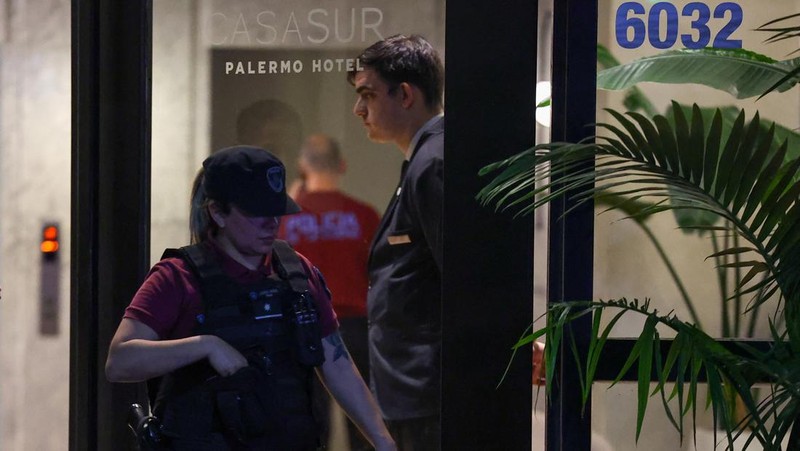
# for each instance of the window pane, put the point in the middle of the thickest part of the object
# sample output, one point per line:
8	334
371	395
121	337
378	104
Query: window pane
269	73
653	258
214	58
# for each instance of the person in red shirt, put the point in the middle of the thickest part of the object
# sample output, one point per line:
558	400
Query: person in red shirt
334	230
231	332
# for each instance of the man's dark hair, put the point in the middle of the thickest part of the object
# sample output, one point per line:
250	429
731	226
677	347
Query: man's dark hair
409	59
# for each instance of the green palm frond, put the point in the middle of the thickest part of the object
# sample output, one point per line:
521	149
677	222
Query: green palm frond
692	356
677	164
729	114
739	72
685	162
781	32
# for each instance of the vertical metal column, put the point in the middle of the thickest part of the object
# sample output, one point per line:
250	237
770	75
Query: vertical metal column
488	257
111	60
571	238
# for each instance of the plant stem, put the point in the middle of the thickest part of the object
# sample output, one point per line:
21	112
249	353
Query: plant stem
737	290
686	300
723	287
751	327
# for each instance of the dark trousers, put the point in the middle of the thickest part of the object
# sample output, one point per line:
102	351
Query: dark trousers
417	434
354	335
218	443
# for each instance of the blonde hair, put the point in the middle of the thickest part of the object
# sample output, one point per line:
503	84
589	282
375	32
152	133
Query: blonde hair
201	227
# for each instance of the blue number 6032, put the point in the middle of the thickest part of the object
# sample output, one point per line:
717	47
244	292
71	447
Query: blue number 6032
631	30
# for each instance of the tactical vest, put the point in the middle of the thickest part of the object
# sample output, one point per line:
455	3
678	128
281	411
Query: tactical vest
274	324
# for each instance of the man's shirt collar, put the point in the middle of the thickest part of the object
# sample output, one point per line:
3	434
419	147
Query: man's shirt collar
425	127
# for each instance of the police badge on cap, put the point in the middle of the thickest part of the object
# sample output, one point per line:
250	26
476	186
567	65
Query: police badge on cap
275	177
251	178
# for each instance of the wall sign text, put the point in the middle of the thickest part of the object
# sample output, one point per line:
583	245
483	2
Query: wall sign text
315	27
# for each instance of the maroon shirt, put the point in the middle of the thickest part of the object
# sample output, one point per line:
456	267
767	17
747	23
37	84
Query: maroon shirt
335	230
169	300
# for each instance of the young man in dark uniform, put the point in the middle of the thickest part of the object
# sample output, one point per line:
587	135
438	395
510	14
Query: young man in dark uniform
399	100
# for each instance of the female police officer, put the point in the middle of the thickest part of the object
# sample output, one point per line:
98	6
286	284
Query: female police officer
233	323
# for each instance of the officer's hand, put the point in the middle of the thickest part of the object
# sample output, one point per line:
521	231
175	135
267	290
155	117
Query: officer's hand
224	358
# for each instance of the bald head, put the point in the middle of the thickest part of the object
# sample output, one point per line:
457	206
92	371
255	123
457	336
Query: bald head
320	153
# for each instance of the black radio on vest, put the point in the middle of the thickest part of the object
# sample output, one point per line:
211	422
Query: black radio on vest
307	339
275	325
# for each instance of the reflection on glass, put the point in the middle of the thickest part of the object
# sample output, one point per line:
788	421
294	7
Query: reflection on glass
270	73
214	59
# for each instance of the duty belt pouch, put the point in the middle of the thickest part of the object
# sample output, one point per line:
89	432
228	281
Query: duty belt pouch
190	414
242	410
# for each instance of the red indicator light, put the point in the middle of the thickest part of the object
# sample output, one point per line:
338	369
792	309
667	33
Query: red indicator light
49	247
50	233
49	244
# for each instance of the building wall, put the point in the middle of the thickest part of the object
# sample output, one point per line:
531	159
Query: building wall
34	188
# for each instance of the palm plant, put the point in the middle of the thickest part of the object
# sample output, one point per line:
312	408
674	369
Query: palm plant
739	72
696	162
682	163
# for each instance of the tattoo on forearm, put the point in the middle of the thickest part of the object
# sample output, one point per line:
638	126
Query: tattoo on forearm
339	350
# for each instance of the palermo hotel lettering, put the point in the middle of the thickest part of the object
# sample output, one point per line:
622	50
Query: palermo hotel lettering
291	66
